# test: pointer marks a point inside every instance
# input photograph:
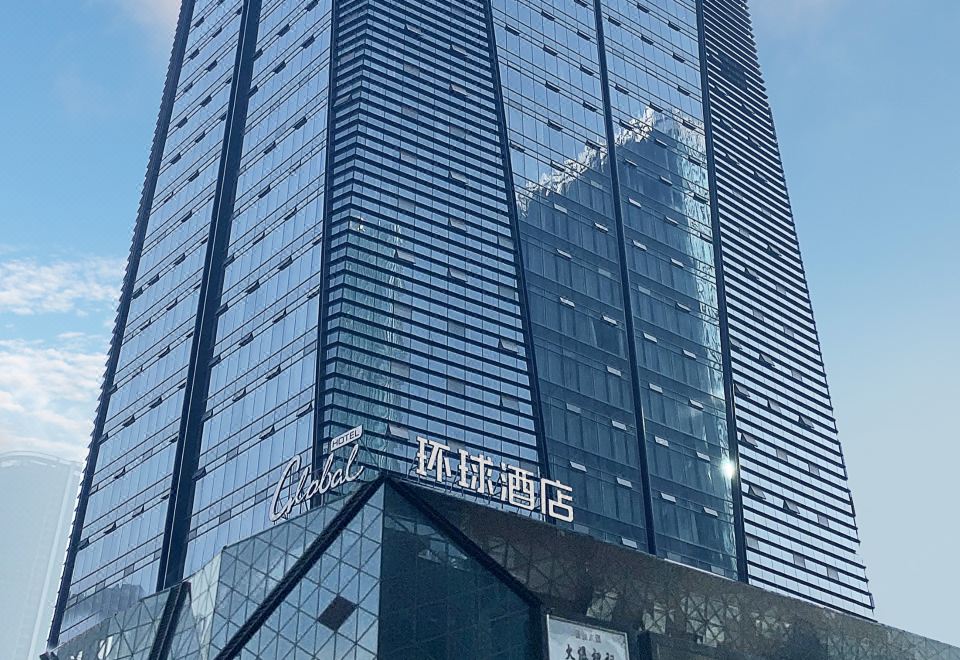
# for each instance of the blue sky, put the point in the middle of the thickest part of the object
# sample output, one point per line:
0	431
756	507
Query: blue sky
865	103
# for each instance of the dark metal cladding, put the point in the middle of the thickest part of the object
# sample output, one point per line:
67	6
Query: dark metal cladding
399	571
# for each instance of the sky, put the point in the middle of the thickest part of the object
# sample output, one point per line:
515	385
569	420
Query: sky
864	101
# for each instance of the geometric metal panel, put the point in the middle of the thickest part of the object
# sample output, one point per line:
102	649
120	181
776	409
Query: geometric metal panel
413	573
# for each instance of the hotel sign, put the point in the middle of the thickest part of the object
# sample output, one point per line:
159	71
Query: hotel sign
308	484
472	473
475	473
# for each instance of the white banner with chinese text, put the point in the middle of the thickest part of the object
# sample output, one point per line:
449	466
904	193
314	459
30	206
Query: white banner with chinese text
577	641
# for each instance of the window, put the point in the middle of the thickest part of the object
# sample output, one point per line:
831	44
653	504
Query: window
509	402
607	336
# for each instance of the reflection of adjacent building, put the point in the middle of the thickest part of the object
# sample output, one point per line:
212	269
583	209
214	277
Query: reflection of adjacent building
591	283
38	495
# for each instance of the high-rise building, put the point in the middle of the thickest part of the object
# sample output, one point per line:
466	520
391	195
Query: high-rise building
550	236
798	516
38	493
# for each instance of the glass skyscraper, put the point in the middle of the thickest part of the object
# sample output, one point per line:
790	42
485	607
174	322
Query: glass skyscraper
555	233
44	490
798	516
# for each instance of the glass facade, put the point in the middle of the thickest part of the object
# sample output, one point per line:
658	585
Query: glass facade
552	95
608	158
656	123
800	531
118	539
439	601
552	233
343	585
259	403
422	332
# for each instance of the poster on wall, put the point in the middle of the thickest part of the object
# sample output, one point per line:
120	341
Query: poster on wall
577	641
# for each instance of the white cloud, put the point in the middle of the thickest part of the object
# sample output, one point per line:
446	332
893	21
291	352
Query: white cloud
30	287
48	395
159	17
50	372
